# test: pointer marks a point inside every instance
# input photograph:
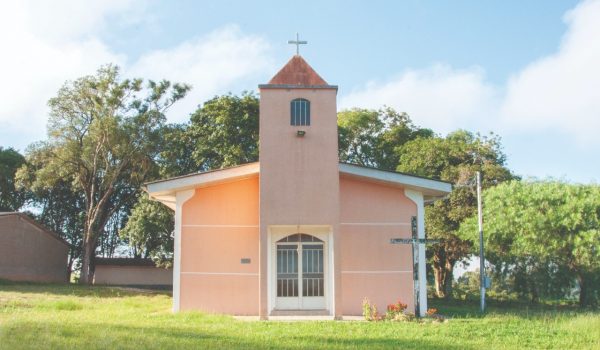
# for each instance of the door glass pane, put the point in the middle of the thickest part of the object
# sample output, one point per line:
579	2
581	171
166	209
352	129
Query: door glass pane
287	270
312	270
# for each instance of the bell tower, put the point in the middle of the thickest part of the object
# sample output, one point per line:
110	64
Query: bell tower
299	167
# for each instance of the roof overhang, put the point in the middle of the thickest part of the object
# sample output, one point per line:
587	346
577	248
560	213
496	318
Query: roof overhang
431	189
165	191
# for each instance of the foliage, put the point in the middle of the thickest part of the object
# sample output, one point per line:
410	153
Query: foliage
104	132
545	223
370	137
149	231
80	317
225	129
175	157
11	197
59	207
397	312
454	158
370	312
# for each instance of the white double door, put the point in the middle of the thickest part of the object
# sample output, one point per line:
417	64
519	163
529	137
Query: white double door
300	268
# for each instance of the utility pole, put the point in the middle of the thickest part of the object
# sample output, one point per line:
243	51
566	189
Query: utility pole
482	277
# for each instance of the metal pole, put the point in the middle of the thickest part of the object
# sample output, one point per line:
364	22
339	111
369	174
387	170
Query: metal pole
481	255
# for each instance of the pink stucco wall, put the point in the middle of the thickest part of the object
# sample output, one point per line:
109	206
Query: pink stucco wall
370	215
132	275
28	253
219	228
298	175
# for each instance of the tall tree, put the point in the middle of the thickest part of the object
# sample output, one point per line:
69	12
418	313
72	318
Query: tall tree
225	131
455	159
11	197
103	134
545	222
370	137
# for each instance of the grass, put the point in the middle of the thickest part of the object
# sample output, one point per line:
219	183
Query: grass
75	317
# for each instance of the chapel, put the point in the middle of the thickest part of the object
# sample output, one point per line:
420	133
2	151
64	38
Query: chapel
297	233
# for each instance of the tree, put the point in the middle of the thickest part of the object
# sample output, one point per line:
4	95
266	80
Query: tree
225	131
103	135
60	208
455	159
11	198
545	222
370	137
149	231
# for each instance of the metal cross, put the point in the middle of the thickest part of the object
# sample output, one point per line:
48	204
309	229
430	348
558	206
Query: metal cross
415	242
298	42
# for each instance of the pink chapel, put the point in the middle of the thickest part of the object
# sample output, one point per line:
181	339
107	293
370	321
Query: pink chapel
297	233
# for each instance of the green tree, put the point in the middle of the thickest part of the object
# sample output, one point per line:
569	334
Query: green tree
545	222
149	231
60	208
455	159
11	197
370	137
103	135
225	131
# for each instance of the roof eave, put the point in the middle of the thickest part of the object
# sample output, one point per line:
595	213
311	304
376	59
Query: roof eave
166	190
432	189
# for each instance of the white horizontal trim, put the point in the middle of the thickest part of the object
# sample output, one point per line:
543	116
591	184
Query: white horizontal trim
190	225
375	223
221	273
378	272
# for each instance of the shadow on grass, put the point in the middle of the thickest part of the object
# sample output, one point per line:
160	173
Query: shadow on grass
70	289
471	309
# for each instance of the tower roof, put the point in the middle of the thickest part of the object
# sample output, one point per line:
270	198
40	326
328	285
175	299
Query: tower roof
297	72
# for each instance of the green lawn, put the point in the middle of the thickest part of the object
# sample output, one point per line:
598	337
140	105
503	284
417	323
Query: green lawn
74	317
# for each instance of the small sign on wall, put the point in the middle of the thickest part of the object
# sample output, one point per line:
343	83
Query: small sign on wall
245	260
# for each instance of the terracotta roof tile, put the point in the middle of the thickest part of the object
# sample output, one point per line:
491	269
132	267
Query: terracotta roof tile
297	72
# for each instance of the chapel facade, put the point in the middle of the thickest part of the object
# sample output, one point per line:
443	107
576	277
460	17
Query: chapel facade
297	233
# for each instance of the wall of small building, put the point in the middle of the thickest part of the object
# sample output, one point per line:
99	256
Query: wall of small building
27	253
133	275
370	215
219	249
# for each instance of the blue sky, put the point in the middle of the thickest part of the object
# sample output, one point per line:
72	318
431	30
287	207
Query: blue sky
526	70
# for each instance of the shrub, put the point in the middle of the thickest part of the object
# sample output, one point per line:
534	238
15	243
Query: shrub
370	311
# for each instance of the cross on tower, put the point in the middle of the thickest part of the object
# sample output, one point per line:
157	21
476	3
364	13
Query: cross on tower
298	42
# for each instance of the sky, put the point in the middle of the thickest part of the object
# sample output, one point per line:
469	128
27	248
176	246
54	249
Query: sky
526	70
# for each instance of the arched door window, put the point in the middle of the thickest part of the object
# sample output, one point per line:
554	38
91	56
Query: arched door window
300	267
300	112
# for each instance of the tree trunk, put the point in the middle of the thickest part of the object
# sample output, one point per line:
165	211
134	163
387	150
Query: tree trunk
582	290
443	279
449	278
69	268
440	277
86	260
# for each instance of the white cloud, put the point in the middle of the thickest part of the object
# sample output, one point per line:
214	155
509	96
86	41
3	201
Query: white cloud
212	64
49	42
41	52
438	97
559	92
562	91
